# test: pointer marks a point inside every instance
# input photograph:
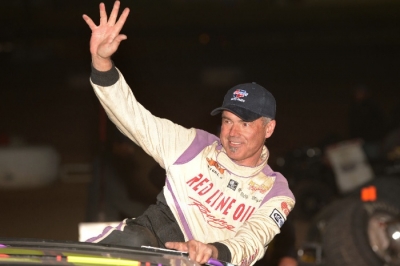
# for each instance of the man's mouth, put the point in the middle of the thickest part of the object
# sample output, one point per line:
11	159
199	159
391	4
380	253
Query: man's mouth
234	143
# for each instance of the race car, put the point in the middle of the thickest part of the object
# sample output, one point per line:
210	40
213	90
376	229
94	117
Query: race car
50	252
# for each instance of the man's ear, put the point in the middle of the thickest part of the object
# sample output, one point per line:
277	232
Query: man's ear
269	128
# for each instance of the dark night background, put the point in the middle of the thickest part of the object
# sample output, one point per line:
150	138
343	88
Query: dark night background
179	59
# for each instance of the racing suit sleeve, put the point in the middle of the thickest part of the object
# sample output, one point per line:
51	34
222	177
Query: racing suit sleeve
252	238
160	138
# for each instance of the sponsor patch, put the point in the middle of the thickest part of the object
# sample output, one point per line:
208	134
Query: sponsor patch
277	217
285	208
232	184
213	163
262	188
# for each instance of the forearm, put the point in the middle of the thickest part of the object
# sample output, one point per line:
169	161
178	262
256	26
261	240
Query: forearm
136	122
249	243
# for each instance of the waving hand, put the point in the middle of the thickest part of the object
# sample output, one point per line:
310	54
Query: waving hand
106	36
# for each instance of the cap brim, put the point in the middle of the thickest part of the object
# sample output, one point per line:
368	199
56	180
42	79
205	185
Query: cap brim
244	114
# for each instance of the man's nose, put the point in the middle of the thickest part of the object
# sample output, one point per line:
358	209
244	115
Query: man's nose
234	131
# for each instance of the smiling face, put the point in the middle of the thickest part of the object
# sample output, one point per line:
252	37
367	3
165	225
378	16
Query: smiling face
243	141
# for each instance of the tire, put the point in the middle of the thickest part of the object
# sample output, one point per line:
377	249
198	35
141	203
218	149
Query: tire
319	222
347	240
387	190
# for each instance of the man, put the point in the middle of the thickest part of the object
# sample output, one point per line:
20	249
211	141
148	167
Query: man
221	198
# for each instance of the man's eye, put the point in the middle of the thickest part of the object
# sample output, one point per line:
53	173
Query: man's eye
245	124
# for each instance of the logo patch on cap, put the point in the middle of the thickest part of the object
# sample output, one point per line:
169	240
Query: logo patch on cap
238	95
249	101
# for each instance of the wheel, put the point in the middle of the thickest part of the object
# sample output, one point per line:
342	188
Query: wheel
318	224
358	235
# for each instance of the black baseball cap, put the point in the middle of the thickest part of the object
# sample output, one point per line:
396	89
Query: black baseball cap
249	101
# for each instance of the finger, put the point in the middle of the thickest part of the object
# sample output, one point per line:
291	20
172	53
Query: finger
121	21
117	40
120	38
172	245
103	14
203	256
199	252
114	13
89	21
177	246
193	250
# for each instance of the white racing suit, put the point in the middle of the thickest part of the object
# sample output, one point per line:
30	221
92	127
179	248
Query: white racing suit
207	196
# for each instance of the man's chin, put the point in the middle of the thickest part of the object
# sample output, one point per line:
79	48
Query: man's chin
233	155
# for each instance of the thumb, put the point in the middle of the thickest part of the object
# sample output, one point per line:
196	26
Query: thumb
117	41
120	38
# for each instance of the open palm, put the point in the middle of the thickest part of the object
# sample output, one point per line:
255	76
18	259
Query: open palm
106	36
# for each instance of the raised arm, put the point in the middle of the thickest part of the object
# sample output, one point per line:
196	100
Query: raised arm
106	36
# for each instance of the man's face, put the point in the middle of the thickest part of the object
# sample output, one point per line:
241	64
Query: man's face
243	141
